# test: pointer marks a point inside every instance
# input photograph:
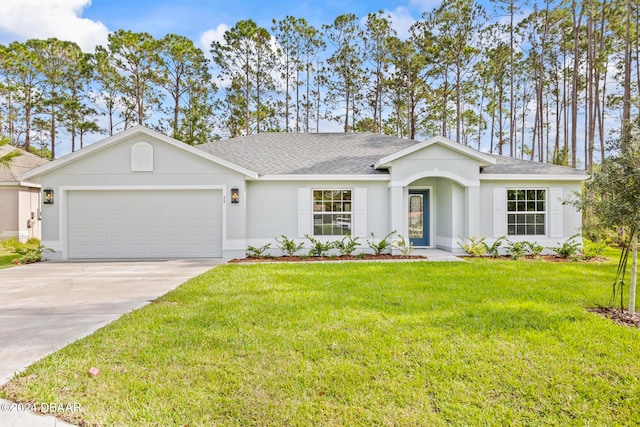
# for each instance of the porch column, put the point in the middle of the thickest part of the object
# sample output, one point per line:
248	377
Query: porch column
472	211
398	212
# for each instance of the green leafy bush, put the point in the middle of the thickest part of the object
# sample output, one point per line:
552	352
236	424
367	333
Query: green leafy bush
403	245
569	248
592	250
382	245
494	249
517	249
26	253
534	248
473	246
319	248
254	252
289	246
347	245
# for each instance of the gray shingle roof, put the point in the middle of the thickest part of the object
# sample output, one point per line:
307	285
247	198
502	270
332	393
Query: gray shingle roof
339	154
511	166
19	165
308	153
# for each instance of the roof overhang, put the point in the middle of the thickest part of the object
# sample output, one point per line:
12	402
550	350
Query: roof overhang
310	177
19	184
483	159
532	177
126	134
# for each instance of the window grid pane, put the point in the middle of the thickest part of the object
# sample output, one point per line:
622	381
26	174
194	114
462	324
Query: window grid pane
331	212
526	212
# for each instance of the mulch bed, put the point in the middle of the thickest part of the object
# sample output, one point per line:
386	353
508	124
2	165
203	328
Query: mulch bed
383	257
549	258
618	316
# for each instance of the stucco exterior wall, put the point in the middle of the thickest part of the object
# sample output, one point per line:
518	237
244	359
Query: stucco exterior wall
8	212
16	207
172	167
571	218
435	160
272	208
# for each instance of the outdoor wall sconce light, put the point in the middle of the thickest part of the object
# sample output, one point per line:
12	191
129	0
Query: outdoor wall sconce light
235	195
48	196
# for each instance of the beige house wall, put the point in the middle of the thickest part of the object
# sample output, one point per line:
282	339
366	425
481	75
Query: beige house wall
17	206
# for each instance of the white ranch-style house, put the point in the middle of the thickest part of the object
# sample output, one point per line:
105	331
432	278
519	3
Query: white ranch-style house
140	194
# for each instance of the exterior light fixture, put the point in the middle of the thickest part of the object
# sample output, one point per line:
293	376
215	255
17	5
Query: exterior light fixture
235	195
47	196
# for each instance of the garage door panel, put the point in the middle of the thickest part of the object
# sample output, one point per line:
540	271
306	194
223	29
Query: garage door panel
144	224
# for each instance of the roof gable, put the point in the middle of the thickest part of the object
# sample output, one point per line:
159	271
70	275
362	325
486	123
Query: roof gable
483	159
125	135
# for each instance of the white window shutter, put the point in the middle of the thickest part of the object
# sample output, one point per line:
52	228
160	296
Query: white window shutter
304	211
359	212
499	212
555	212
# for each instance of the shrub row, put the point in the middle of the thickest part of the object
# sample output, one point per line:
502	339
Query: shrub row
571	248
348	245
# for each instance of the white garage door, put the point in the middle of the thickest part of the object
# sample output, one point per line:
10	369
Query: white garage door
144	224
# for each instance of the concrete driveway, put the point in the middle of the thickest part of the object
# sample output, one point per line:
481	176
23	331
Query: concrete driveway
47	305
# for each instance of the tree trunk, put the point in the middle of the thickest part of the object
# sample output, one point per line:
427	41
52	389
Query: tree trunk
634	273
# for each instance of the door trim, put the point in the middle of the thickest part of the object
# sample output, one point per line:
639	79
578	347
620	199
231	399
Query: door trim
428	192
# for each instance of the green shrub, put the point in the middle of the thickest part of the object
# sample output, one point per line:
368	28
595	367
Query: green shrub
26	253
347	245
473	246
517	249
288	246
382	245
319	248
404	246
534	248
592	250
254	252
569	248
494	249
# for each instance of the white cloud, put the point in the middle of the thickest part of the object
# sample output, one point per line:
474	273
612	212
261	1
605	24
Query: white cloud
402	20
214	34
41	19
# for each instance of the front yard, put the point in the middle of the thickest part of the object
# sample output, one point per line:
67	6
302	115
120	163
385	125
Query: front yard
487	342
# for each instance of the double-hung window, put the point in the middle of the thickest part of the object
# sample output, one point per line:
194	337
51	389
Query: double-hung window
526	212
332	212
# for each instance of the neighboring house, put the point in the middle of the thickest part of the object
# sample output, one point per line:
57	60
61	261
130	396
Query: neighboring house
19	200
141	194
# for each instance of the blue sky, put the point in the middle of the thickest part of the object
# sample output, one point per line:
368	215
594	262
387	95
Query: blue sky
88	22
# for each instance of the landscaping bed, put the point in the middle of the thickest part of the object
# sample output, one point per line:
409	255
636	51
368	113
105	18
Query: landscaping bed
361	257
620	317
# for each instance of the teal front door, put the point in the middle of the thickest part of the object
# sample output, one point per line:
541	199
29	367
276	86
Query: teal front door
419	217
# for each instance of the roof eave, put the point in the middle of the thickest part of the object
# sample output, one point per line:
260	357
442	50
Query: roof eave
532	177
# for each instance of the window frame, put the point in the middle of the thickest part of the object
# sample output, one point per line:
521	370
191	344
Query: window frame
525	213
347	228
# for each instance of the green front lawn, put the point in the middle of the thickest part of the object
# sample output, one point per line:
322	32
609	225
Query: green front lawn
480	343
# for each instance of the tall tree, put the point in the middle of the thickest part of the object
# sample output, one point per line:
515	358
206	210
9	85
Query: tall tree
345	64
406	86
456	26
57	61
246	61
377	32
184	74
22	77
136	57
